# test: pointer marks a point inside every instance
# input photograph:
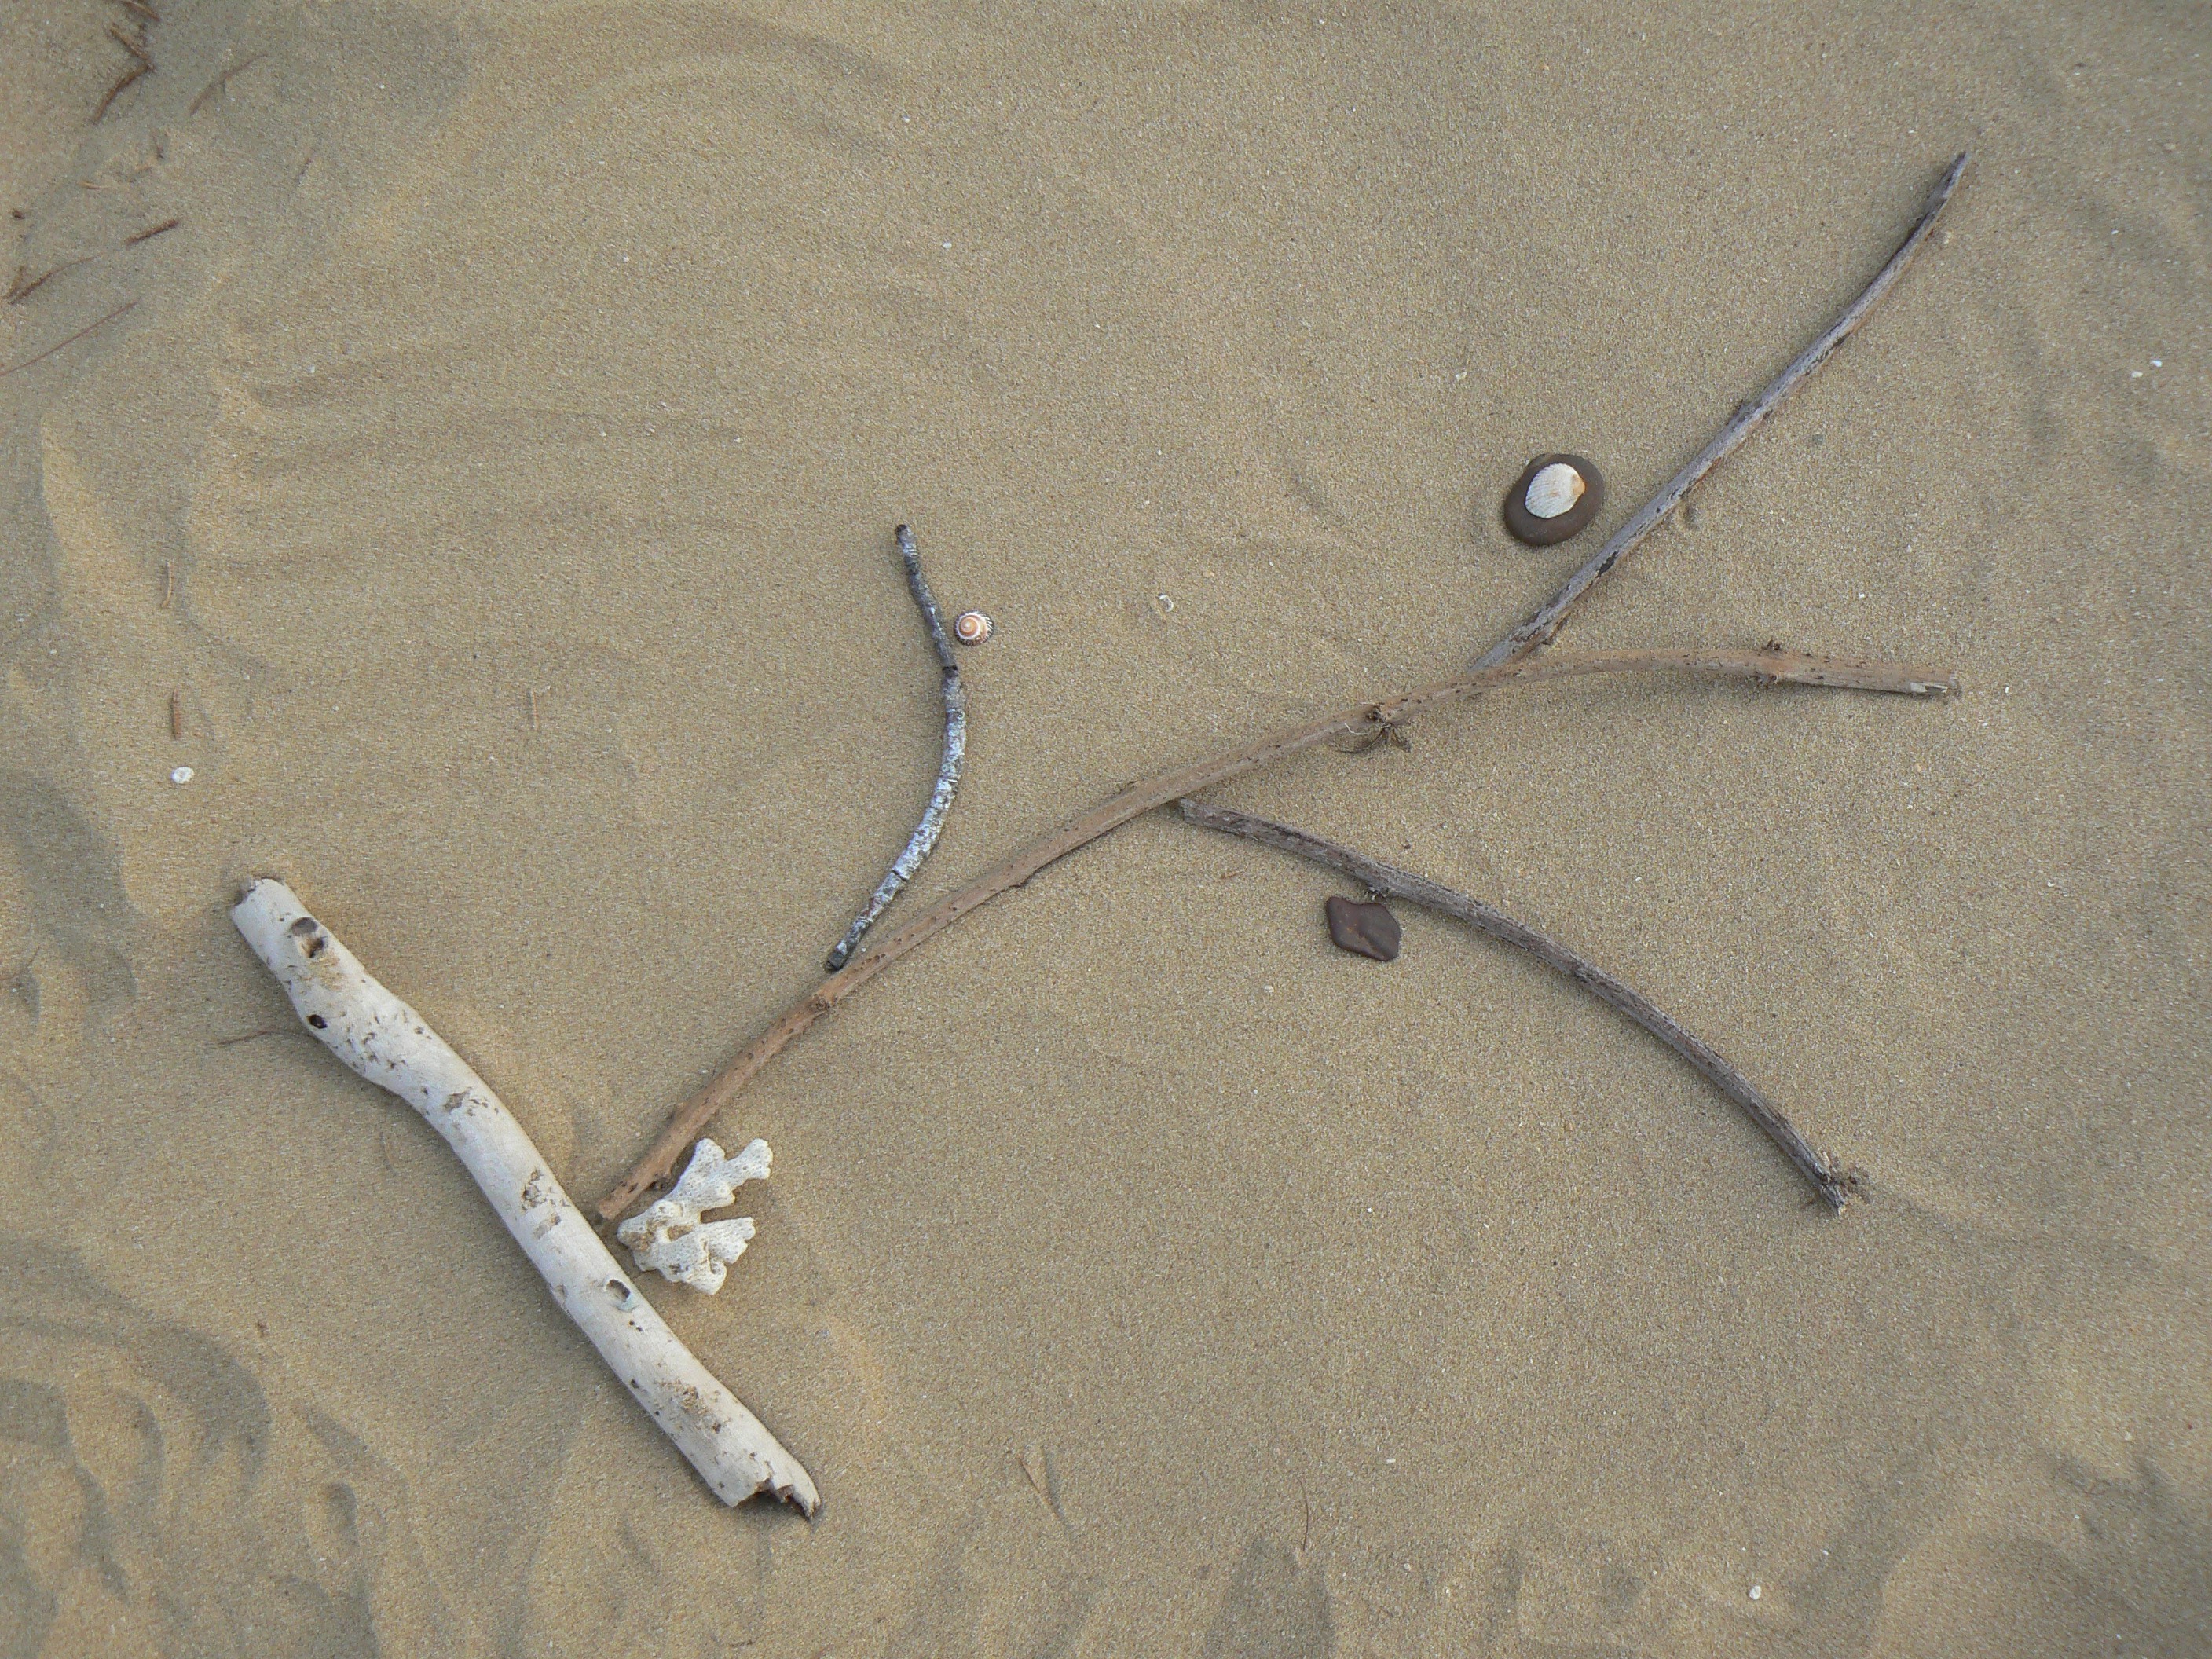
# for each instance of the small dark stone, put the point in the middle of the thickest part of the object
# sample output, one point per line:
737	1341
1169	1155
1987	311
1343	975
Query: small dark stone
1368	930
1526	526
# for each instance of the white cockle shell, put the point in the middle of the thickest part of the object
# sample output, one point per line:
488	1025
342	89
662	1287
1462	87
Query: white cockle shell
1554	489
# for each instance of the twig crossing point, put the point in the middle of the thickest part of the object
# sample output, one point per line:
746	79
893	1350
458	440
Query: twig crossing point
386	1041
924	839
1394	883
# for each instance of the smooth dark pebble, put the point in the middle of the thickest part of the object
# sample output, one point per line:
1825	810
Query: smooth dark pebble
1525	527
1367	930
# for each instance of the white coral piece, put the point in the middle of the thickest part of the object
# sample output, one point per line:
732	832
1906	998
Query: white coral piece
670	1240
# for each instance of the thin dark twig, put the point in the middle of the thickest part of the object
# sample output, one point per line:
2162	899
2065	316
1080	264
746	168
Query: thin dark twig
1772	666
222	81
924	839
20	290
266	1031
147	235
71	340
128	45
1394	883
130	76
1548	618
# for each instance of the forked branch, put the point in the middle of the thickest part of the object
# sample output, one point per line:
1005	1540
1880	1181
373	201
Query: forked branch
1772	666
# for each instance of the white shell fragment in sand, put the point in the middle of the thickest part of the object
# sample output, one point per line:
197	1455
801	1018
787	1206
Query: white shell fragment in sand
1555	489
670	1240
386	1041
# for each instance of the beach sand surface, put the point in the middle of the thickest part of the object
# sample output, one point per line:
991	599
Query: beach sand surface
497	464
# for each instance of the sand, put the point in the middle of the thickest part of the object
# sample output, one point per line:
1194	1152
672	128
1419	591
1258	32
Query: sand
498	464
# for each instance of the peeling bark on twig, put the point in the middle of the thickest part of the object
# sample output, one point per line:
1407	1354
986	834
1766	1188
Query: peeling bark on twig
924	840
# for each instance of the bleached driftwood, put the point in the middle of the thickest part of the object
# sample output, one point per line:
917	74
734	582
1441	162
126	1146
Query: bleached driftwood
670	1240
389	1043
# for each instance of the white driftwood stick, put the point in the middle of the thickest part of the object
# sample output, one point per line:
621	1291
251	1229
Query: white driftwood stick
389	1043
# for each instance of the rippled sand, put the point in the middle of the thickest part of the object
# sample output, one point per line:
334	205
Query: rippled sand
497	464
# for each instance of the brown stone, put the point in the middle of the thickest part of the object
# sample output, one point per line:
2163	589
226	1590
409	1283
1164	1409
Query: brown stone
1369	930
1526	526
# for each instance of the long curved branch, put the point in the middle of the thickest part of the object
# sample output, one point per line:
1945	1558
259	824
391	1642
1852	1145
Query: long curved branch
1772	666
1391	882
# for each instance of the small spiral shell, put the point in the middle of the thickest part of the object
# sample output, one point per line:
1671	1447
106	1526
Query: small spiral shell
971	628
